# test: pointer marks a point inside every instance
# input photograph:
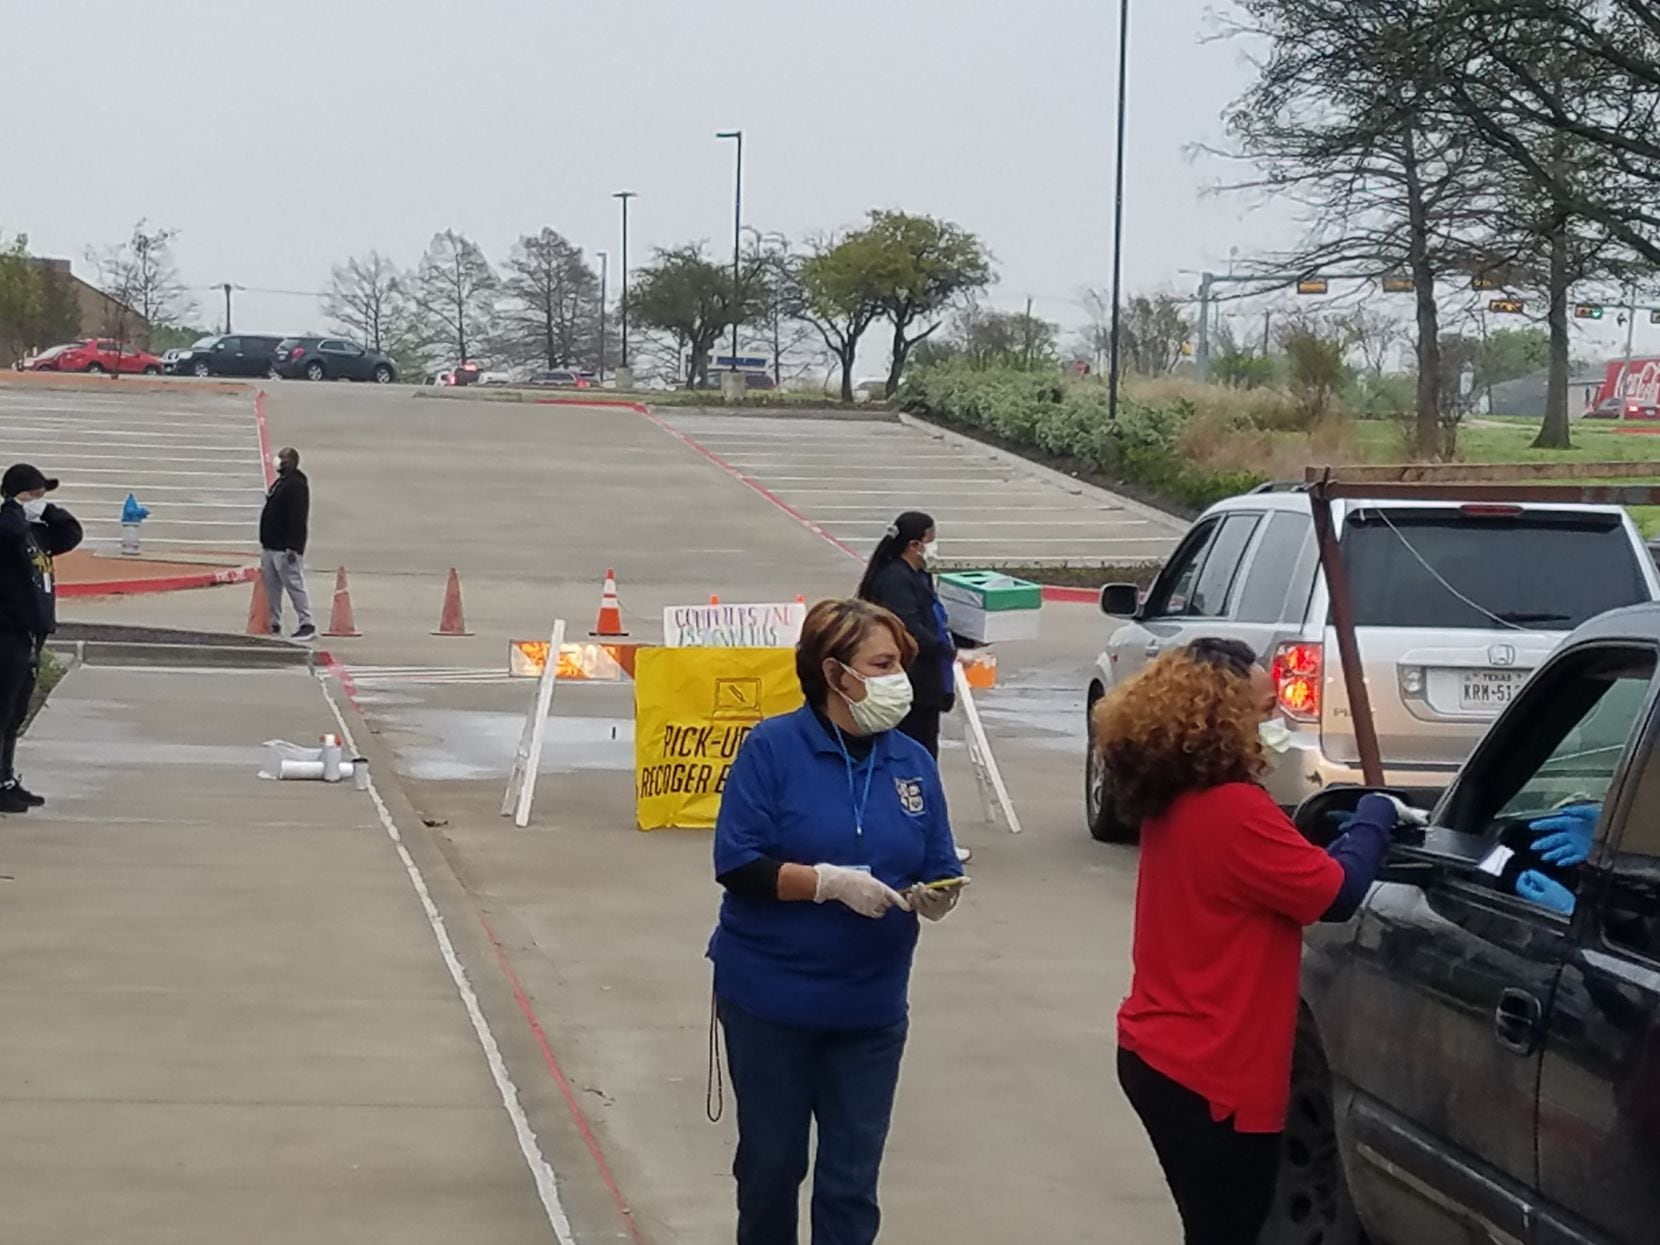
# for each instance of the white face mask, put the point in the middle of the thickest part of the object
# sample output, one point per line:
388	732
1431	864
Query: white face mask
276	465
931	554
887	701
1275	735
35	510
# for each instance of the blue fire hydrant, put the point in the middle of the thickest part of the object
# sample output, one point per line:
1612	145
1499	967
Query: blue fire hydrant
132	514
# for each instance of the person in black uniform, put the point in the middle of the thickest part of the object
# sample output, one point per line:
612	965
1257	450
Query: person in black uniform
897	579
32	533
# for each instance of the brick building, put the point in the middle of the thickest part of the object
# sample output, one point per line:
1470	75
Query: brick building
99	314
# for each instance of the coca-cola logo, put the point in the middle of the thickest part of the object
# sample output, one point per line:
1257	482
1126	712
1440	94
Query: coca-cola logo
1642	381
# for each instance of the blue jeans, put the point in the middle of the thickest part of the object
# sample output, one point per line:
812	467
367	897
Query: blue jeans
783	1080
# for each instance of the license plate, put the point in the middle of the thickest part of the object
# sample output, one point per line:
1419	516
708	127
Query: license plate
1489	689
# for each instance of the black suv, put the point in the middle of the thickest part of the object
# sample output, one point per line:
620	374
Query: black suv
332	358
1471	1066
229	354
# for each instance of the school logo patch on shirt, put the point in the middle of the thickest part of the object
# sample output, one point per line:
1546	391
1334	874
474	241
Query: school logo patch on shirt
910	796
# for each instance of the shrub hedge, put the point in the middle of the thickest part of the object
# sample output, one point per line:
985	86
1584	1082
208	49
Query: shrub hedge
1067	419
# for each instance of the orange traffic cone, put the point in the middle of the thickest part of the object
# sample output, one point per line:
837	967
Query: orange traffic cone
259	609
341	621
713	599
452	621
609	625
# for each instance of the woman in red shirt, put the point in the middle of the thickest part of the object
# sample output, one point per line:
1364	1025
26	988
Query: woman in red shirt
1225	886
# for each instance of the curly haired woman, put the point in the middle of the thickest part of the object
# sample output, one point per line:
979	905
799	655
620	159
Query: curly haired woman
1226	885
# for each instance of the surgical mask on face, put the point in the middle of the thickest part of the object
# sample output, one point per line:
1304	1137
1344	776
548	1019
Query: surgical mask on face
931	554
1275	735
887	701
276	465
35	510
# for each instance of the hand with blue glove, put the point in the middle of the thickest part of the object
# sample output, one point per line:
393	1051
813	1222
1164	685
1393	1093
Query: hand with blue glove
1564	838
1536	888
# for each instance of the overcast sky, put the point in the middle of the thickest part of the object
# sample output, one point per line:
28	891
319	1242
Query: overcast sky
280	138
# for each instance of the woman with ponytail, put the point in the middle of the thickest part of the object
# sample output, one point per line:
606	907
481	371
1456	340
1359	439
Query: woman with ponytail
897	579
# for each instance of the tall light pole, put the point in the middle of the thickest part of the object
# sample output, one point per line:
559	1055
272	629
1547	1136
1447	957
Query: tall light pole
604	290
1118	210
625	196
737	237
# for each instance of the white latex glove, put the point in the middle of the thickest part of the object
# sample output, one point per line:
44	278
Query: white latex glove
864	893
933	903
1406	815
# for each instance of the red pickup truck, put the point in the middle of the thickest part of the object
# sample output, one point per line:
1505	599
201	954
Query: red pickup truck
96	354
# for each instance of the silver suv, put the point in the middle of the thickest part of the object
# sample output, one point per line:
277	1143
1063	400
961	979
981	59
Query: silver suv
1455	606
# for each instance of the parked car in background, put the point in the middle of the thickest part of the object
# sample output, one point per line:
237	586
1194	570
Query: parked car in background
1455	606
169	358
46	360
332	358
752	380
227	354
1470	1065
97	354
560	378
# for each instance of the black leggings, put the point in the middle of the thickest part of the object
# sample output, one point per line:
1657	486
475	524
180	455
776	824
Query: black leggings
1222	1180
19	663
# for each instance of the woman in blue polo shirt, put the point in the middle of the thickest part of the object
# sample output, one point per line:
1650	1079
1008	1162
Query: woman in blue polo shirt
832	825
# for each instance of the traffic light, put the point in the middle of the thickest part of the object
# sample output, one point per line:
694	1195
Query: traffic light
1507	306
1587	311
1398	285
1313	285
1654	316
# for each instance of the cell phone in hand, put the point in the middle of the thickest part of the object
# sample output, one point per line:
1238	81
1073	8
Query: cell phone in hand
944	884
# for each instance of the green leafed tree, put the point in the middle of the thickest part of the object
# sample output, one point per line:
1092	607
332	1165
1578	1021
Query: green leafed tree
834	289
682	293
921	267
20	298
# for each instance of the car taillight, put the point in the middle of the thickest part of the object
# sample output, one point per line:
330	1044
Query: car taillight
1298	670
1489	510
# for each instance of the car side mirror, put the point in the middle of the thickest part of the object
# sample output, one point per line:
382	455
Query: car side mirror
1317	818
1120	600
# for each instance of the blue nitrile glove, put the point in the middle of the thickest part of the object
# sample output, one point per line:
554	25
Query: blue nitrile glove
1564	838
1536	888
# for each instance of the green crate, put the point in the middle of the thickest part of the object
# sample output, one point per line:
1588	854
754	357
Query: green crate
990	591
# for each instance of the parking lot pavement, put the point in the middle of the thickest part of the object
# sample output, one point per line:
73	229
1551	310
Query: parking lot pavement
193	459
850	477
225	1012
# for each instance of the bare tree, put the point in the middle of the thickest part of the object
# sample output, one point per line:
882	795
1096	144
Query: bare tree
456	287
140	282
1153	334
552	312
369	298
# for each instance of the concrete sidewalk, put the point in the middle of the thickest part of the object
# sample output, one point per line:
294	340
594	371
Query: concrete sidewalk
223	1012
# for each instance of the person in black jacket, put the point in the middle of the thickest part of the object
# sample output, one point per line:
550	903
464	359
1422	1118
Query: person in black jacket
32	533
897	579
283	528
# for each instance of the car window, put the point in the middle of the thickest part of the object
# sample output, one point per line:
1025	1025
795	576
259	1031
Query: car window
1629	911
203	343
1451	569
1222	564
1561	742
1266	594
229	343
1175	585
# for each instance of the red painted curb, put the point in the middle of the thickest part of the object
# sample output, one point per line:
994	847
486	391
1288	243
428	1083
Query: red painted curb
164	583
1073	596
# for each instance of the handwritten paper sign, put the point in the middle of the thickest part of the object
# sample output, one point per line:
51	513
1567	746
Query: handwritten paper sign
733	626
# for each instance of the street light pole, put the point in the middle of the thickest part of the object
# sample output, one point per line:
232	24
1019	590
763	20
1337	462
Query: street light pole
737	237
604	290
1118	210
625	196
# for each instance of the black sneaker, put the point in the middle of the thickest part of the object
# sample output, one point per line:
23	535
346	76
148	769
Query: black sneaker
29	797
11	799
305	635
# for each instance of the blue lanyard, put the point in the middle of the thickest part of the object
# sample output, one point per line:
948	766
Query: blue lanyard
860	802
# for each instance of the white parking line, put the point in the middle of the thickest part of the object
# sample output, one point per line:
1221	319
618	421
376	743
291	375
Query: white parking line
140	462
